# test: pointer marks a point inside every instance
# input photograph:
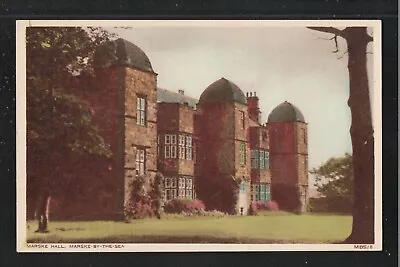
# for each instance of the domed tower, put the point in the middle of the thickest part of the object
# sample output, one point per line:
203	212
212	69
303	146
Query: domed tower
127	94
288	157
223	155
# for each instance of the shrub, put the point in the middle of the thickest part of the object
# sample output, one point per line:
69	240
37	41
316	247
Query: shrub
184	206
139	204
269	206
212	213
253	210
139	210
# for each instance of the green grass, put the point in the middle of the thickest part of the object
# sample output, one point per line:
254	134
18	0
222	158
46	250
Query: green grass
270	227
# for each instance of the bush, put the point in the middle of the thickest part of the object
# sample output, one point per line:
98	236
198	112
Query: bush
337	204
253	210
184	206
139	210
269	206
212	213
139	204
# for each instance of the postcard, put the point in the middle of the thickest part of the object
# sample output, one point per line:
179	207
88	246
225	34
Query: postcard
178	135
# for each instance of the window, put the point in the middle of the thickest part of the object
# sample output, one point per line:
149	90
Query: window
173	152
140	161
243	188
141	111
170	188
181	193
267	192
189	183
241	117
170	193
262	159
189	148
261	192
267	160
173	182
170	146
242	153
167	139
182	153
173	139
189	194
254	159
181	183
167	182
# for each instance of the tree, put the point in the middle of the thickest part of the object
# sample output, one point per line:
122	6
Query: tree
361	131
60	131
334	180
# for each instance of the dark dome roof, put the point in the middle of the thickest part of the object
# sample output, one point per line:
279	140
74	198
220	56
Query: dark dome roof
222	90
285	112
122	52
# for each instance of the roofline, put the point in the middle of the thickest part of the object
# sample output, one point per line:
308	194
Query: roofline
274	122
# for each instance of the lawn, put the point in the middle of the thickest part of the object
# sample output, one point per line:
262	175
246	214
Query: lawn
266	228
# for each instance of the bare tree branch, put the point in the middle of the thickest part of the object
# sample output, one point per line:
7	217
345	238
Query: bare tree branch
337	32
326	39
332	30
343	55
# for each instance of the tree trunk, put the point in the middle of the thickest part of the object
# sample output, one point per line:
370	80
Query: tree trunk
362	137
43	211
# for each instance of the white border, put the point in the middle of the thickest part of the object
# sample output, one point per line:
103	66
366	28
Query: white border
21	136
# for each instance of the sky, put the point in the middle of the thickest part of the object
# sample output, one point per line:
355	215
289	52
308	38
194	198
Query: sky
280	64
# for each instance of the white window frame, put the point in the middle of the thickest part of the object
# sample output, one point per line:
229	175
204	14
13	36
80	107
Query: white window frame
141	104
140	161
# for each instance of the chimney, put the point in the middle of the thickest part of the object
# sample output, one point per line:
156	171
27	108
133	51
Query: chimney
252	106
181	92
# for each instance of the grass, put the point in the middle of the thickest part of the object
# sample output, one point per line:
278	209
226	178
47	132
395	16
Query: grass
271	227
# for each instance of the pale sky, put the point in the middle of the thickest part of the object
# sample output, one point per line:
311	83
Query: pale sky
292	64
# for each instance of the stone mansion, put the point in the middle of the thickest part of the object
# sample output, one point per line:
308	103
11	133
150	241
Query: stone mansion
201	146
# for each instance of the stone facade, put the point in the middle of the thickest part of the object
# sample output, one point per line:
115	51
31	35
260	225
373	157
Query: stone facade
140	126
176	149
289	164
217	151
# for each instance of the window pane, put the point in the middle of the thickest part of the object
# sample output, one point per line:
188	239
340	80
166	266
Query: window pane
189	153
141	168
142	104
137	155
188	183
138	103
173	139
173	182
167	139
142	154
173	152
266	159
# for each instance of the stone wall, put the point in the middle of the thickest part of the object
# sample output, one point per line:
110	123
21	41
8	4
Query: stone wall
144	85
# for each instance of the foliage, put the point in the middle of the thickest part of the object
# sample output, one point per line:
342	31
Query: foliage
253	210
334	180
156	194
139	203
59	123
268	205
334	204
201	214
184	206
286	196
